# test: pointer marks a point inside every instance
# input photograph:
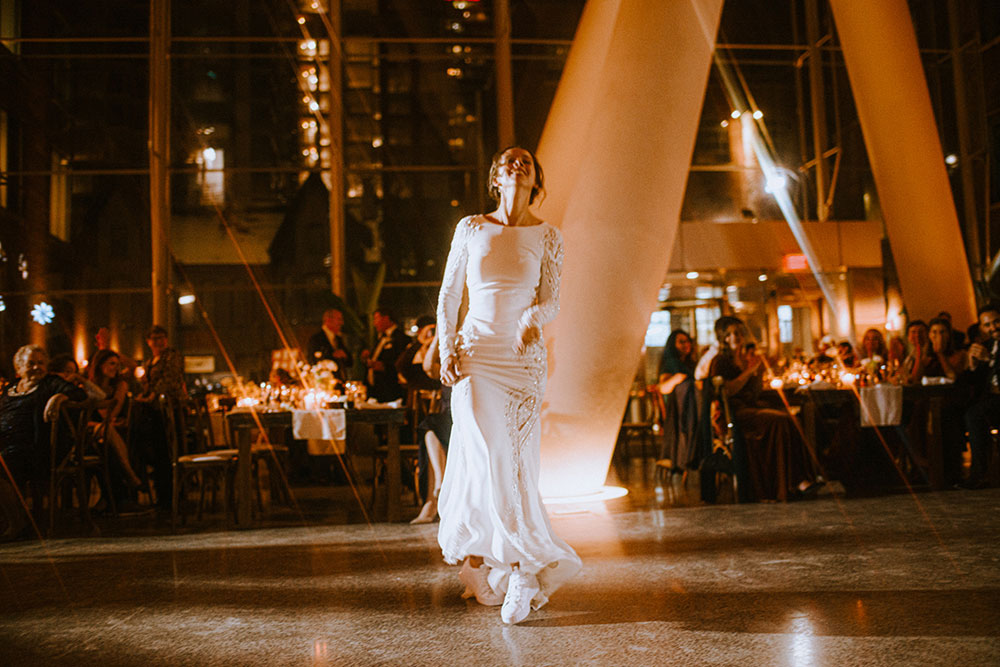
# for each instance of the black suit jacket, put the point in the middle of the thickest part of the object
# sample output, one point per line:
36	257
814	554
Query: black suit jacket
384	385
319	348
980	379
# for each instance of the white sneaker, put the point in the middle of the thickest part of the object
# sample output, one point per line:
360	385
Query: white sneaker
521	588
477	584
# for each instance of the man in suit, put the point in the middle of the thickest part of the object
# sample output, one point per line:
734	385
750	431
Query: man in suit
328	343
983	414
383	379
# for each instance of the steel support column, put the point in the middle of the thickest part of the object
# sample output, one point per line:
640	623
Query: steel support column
504	74
334	118
616	150
159	157
897	120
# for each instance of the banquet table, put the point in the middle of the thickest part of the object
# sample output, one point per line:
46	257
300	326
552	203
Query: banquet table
241	422
810	401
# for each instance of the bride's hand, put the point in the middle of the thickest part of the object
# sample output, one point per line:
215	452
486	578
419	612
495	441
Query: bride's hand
450	374
526	336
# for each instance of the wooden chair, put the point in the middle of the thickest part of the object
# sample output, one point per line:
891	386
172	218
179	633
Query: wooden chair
420	403
272	455
77	455
275	457
410	454
641	423
721	446
211	470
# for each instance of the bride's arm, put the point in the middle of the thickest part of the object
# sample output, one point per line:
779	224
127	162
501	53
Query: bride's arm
547	304
450	299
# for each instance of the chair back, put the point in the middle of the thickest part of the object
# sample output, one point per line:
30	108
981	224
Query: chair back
422	402
174	427
67	433
74	448
643	409
204	438
720	445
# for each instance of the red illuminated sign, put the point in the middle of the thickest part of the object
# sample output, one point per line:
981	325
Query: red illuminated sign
793	262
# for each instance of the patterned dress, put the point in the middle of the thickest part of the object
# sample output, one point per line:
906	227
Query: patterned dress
489	504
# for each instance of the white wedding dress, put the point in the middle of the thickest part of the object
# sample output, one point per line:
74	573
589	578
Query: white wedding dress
489	501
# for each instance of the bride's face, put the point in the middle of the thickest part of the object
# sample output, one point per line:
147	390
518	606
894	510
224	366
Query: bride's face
515	167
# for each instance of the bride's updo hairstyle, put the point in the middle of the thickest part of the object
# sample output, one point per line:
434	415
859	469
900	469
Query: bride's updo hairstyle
537	189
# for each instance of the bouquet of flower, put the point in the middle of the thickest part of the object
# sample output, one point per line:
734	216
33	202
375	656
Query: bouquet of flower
322	376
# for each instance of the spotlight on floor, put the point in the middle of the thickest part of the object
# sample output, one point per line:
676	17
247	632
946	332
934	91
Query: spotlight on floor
604	493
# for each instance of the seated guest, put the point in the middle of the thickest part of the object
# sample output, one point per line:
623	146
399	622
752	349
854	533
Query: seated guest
845	352
328	343
771	435
63	364
104	372
874	353
897	353
383	378
944	359
163	375
705	361
435	430
410	363
983	372
25	406
873	345
102	341
958	337
676	378
912	368
825	352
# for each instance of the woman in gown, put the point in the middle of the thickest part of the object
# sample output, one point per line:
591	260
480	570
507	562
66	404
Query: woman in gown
676	382
492	517
779	462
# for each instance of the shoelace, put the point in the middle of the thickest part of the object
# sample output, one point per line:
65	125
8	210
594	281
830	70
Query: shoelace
517	587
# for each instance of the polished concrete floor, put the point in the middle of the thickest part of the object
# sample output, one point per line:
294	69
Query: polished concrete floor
892	580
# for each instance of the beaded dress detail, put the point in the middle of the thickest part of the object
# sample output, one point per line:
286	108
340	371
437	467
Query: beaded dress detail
489	501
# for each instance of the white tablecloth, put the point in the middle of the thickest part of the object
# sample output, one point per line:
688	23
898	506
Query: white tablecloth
881	405
324	430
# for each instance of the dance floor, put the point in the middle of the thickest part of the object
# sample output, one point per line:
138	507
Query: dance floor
897	580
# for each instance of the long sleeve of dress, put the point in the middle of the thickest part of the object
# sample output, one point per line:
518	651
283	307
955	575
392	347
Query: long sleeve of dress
546	305
450	297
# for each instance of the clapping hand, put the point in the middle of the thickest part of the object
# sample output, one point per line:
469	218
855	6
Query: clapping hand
977	353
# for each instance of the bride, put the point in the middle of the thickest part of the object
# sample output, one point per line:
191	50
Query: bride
492	517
